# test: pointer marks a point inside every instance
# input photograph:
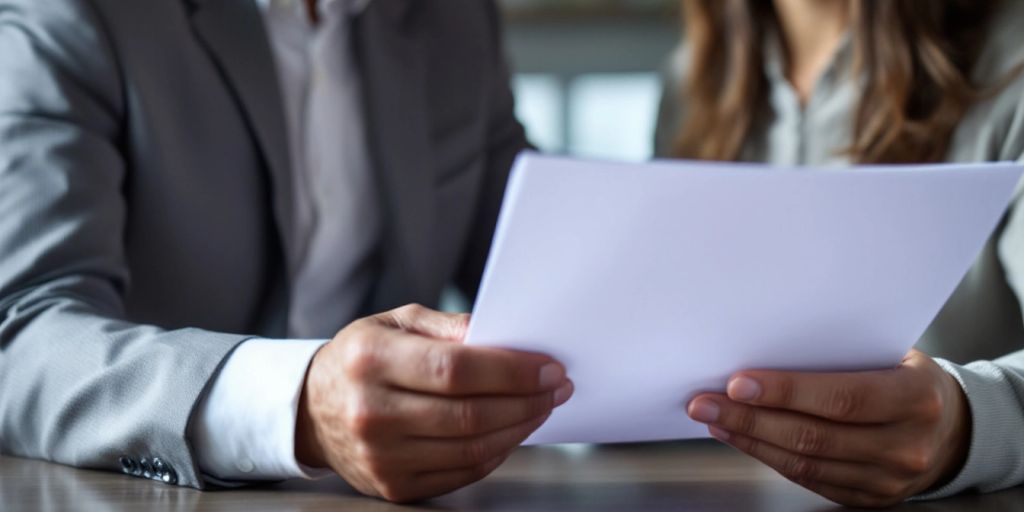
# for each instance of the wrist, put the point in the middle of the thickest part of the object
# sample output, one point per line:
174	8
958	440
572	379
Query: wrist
958	439
307	445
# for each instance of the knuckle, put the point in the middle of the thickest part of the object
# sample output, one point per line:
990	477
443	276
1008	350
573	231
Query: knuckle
416	308
745	421
365	456
930	406
395	492
810	439
411	313
445	365
410	309
359	424
801	469
474	451
786	392
749	445
360	418
359	331
843	403
360	358
467	418
916	460
893	489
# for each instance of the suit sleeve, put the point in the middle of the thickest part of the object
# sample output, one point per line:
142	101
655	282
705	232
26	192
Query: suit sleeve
79	383
506	138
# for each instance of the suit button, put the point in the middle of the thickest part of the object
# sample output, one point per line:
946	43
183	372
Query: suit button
128	465
147	468
158	468
169	477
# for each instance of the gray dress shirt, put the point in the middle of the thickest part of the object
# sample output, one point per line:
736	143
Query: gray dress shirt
337	221
979	333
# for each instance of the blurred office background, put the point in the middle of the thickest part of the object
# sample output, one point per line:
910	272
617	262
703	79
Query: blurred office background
588	76
588	72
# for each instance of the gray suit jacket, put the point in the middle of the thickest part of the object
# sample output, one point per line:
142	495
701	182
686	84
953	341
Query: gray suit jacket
143	198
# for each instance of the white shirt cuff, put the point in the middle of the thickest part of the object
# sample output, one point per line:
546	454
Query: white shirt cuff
244	429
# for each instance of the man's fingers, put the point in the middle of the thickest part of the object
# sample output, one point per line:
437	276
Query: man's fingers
446	465
416	363
427	322
437	483
443	417
434	455
795	432
854	397
853	484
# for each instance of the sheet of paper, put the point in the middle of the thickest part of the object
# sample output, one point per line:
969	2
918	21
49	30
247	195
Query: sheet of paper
653	282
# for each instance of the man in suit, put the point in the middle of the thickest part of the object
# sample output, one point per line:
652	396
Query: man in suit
196	195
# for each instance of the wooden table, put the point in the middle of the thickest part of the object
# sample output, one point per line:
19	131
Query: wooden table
695	475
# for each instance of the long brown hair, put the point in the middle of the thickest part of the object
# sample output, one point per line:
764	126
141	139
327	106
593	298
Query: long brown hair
914	57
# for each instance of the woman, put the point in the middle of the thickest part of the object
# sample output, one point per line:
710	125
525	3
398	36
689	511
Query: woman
834	82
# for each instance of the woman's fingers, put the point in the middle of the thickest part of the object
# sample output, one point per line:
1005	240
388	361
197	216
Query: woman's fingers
798	433
848	483
852	397
862	439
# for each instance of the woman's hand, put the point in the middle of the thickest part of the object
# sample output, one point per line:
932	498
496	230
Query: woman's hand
867	439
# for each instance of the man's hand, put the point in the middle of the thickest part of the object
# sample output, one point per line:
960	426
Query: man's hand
402	410
869	439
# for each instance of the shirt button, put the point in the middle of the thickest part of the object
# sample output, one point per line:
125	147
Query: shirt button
128	465
245	466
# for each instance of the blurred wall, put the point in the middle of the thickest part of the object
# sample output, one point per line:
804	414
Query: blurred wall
588	72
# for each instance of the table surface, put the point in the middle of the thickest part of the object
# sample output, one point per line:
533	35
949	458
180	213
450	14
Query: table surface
693	475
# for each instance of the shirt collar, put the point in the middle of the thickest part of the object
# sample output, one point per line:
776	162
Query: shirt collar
775	60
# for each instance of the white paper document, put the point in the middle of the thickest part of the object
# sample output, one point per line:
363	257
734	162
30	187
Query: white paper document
653	282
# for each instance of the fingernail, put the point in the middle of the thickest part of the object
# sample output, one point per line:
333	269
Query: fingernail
563	393
704	410
718	433
744	389
551	375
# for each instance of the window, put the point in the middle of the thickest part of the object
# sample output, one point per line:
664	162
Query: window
588	72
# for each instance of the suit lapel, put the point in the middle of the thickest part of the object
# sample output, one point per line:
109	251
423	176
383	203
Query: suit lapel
233	33
390	58
392	62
